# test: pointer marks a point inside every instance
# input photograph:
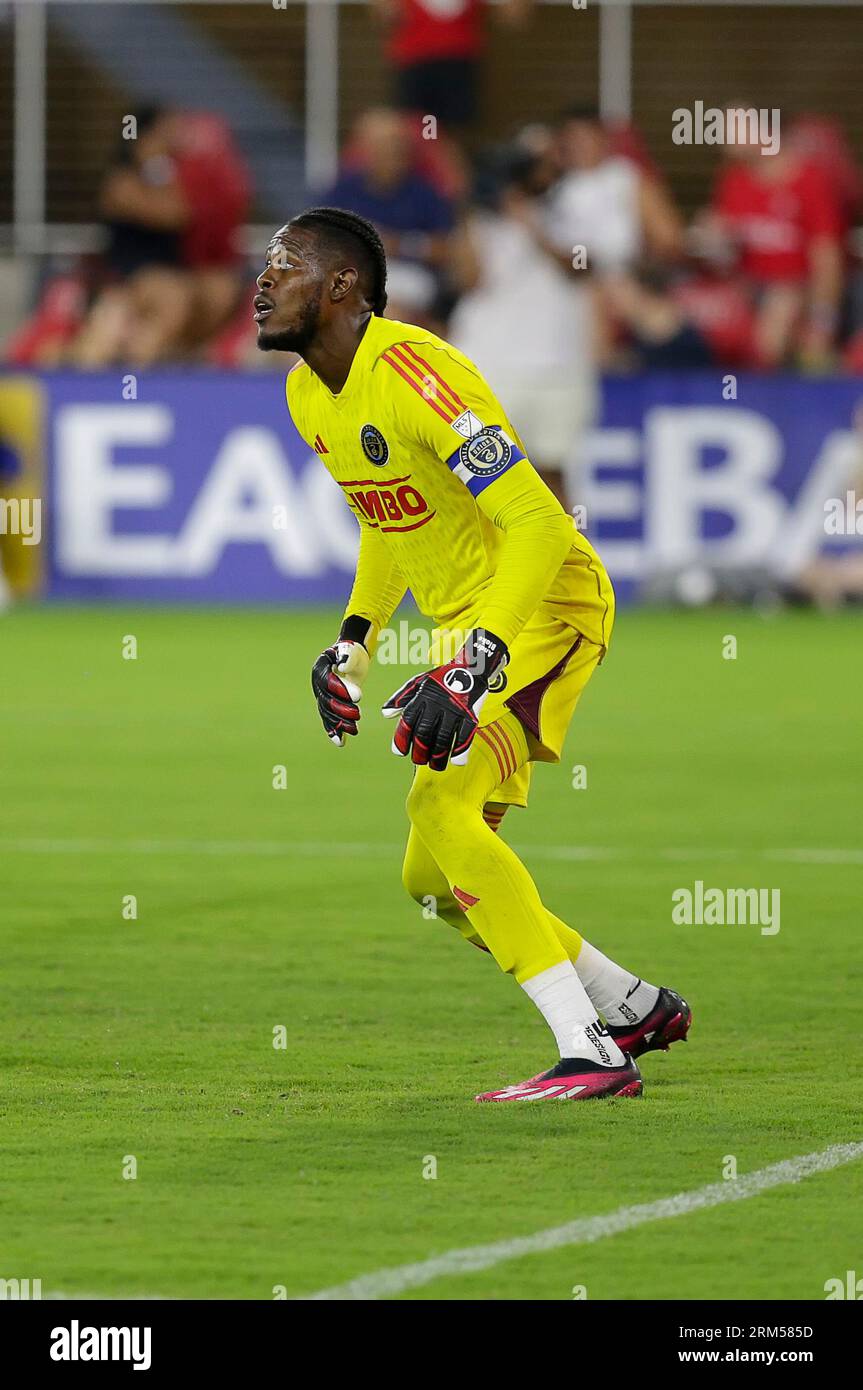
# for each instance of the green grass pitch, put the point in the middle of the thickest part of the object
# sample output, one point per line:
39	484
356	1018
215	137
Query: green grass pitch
303	1167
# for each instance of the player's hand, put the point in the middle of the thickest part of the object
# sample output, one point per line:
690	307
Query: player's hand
337	680
438	711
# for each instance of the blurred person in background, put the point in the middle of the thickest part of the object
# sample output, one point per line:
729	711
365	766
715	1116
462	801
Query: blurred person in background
217	185
776	220
171	204
618	212
412	217
142	302
821	140
435	48
663	332
525	319
682	319
718	308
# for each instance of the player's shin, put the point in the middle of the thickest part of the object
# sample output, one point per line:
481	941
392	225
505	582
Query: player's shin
425	883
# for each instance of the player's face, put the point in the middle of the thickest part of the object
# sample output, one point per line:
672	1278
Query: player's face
287	308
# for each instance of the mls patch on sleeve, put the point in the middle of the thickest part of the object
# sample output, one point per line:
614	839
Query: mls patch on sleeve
483	457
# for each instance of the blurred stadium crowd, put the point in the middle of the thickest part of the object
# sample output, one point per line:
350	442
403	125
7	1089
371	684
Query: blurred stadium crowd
562	245
548	241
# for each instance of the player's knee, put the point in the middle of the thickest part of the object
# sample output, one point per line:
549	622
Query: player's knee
416	879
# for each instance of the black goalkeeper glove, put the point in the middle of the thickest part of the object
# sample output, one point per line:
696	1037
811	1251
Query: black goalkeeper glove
337	680
440	709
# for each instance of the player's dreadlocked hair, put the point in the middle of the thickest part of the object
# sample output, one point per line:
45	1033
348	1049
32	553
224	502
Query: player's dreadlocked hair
350	233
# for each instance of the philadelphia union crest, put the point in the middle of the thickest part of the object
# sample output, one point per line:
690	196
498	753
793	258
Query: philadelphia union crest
486	454
375	447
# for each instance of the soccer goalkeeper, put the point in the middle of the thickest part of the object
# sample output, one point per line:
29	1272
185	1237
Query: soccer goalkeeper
449	505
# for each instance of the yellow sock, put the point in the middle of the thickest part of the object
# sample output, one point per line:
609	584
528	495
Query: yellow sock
425	882
483	875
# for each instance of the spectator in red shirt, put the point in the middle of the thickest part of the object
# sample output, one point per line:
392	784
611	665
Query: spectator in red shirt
435	47
172	202
777	219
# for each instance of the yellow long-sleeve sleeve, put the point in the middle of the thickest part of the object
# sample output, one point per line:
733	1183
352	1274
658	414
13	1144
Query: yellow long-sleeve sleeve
539	535
378	587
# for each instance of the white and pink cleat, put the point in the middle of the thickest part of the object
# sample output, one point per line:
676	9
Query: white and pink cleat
574	1078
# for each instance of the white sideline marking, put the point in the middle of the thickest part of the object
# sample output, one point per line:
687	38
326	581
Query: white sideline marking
588	1229
282	849
59	1297
324	849
817	856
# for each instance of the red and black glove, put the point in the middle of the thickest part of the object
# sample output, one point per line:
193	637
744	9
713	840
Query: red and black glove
440	709
337	680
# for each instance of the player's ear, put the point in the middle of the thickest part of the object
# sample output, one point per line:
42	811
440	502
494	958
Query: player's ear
343	282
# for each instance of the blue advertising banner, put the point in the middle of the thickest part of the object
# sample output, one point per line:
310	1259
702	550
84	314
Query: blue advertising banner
195	486
733	473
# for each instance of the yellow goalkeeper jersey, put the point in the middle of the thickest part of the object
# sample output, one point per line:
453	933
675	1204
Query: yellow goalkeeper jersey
448	503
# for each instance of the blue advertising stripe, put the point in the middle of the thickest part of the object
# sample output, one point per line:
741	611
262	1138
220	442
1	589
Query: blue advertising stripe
163	487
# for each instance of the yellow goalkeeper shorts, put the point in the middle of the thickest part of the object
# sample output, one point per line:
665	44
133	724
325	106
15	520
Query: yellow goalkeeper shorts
545	710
